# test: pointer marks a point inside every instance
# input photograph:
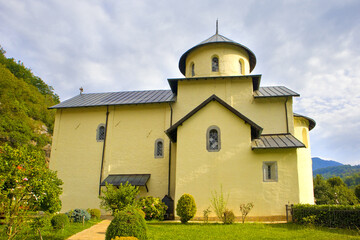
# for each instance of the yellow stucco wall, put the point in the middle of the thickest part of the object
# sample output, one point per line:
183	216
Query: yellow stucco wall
229	58
76	155
269	113
236	167
132	132
306	191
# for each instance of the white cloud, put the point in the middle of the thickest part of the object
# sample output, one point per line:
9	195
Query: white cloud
309	46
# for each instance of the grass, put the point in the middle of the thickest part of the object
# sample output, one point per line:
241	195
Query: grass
159	231
49	233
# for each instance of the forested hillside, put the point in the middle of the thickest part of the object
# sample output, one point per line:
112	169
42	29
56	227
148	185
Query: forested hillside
340	171
24	99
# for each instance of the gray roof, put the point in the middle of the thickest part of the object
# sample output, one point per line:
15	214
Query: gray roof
312	122
117	98
133	179
276	91
271	141
217	38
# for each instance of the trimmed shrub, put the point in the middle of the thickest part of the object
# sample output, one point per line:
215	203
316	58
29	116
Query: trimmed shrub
77	215
127	223
229	216
186	208
153	208
341	216
94	213
59	221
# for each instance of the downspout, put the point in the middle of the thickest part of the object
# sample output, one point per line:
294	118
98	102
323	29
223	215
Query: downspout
171	116
104	145
286	116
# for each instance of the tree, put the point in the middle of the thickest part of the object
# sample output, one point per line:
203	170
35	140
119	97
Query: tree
357	191
114	198
26	186
333	191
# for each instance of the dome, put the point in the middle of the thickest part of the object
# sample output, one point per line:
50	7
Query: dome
216	38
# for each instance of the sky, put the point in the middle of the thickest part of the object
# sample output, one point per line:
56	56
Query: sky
311	47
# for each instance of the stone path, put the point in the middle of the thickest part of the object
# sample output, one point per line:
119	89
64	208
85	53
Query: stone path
96	232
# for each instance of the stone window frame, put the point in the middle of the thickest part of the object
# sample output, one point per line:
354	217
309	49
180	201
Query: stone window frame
213	127
156	152
215	68
98	132
272	166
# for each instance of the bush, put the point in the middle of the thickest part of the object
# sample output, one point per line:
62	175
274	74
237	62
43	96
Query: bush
77	215
206	213
186	208
118	198
59	221
153	208
341	216
218	203
229	216
94	213
127	223
245	209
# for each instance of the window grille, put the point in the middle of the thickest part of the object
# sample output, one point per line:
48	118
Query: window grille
159	148
100	133
215	64
213	142
270	171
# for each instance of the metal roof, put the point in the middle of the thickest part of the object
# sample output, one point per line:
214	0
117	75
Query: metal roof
133	179
276	91
312	122
216	38
172	131
117	98
272	141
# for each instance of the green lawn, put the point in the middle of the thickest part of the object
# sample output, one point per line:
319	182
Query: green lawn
49	233
158	231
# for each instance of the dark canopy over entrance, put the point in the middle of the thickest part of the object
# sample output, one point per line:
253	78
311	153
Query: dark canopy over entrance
133	179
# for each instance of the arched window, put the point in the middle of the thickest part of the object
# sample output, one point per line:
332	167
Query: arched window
215	64
213	143
192	69
159	148
241	67
100	132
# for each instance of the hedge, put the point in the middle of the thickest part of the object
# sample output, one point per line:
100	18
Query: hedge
339	216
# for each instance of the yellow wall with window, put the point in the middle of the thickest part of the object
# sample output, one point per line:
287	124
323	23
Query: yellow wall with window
236	167
130	141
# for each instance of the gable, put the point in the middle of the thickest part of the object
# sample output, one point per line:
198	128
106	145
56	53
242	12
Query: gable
255	129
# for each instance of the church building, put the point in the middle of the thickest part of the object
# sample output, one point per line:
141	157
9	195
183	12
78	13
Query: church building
215	128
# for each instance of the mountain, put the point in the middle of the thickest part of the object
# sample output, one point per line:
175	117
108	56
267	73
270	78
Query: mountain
321	163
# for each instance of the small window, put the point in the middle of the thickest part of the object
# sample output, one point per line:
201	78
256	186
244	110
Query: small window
215	64
192	69
240	67
213	143
159	148
100	133
270	171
